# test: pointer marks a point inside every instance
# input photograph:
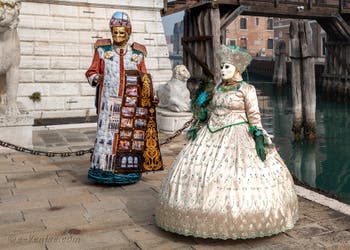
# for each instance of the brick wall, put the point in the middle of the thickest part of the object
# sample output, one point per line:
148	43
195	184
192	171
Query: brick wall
57	47
256	34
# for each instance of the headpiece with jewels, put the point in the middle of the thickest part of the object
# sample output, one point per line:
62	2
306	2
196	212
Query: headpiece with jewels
120	19
236	56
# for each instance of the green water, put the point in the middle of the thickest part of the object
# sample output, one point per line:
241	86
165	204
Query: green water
322	164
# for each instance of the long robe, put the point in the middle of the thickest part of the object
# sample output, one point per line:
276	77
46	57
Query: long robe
218	187
119	144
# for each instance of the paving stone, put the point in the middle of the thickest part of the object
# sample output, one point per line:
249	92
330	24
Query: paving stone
11	217
42	193
71	181
94	241
326	214
35	182
217	244
338	224
139	233
7	185
23	205
14	168
44	167
303	221
72	198
14	198
105	205
334	239
21	227
140	205
67	220
19	243
101	191
104	217
119	218
307	232
161	244
50	211
5	192
3	178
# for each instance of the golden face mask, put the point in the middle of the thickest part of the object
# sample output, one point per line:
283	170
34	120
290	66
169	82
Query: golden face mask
120	35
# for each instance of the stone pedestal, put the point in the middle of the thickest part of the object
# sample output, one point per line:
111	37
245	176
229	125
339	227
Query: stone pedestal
17	130
170	121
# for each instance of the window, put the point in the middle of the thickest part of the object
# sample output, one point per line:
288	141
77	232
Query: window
270	24
232	42
257	21
270	43
243	23
243	42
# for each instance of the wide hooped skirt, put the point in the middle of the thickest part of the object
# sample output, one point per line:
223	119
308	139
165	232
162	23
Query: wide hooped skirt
218	187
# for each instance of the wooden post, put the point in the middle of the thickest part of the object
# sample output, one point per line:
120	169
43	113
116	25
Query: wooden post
215	25
295	80
280	69
308	80
303	80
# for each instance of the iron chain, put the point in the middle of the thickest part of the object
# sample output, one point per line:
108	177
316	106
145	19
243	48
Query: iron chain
79	152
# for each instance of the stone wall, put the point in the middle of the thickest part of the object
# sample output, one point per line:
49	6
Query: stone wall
57	40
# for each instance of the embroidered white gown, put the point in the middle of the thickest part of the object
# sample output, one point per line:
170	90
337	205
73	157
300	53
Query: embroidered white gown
218	187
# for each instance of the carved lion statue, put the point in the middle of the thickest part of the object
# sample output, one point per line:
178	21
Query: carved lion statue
174	95
9	54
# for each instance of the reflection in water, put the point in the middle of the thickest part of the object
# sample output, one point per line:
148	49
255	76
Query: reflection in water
323	163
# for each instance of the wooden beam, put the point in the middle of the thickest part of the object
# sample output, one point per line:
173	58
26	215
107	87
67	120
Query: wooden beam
230	16
179	5
203	65
196	38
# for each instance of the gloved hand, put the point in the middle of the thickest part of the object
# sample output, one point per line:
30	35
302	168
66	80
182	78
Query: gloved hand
259	146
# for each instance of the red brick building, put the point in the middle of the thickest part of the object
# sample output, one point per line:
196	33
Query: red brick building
256	34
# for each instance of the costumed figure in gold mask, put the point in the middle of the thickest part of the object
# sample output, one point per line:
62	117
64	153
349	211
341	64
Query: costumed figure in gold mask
126	140
229	182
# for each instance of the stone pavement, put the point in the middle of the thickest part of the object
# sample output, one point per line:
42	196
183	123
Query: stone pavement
48	203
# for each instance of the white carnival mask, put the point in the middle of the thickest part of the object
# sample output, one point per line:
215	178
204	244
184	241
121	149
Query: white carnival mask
227	71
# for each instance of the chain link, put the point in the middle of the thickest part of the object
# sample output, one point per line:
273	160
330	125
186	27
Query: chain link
44	153
177	133
79	152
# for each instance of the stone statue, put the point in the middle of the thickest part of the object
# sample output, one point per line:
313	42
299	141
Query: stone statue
9	55
174	95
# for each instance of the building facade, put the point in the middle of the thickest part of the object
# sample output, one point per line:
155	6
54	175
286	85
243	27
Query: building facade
256	34
57	44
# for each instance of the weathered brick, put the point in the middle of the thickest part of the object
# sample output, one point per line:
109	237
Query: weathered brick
154	27
75	75
35	9
64	36
26	75
49	76
83	102
48	49
35	62
26	89
64	89
64	10
27	48
92	12
64	63
26	34
77	24
50	22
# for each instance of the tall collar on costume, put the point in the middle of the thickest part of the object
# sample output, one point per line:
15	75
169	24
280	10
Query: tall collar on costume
118	48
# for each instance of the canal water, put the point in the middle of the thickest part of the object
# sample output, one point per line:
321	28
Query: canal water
323	164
